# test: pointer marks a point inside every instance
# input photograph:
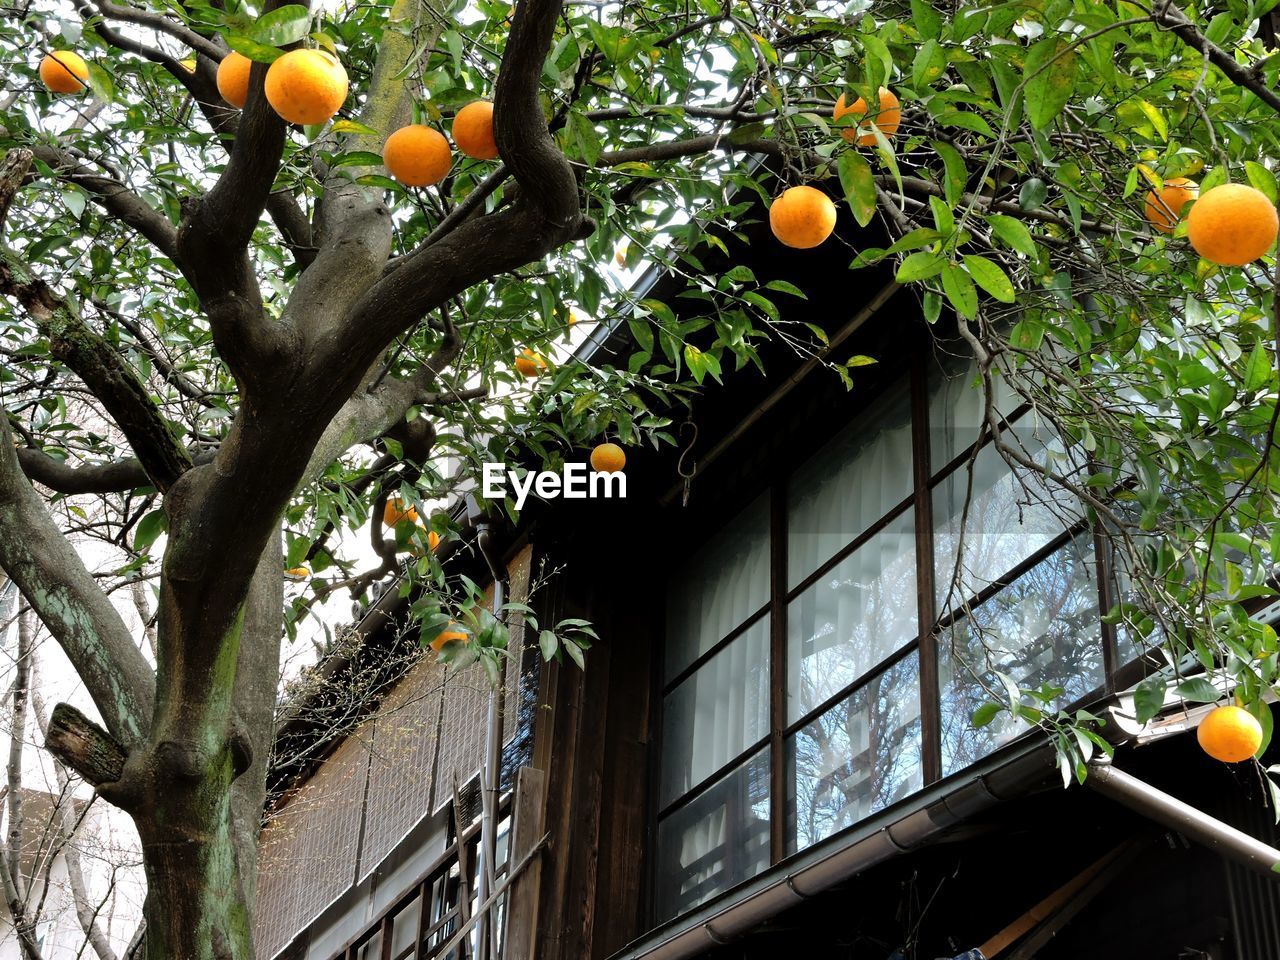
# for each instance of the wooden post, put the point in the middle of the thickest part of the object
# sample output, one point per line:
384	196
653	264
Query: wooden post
527	830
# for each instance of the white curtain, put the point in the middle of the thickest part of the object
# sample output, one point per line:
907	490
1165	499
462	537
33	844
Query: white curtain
849	484
715	714
956	404
718	588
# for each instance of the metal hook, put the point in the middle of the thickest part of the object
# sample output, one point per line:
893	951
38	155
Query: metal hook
680	468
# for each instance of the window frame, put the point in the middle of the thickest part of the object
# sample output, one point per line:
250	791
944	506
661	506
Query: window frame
931	627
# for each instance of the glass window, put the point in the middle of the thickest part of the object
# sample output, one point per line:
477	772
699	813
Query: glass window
852	617
859	757
851	483
718	840
718	588
1009	516
956	403
1043	628
716	713
404	927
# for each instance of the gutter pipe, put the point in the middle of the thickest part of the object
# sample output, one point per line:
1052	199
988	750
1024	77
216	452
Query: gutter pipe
1169	811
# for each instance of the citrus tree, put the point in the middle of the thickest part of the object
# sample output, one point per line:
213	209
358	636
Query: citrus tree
265	266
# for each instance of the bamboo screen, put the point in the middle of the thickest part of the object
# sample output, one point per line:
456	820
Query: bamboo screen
393	770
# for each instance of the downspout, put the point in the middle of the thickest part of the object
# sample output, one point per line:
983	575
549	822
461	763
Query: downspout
487	931
1142	797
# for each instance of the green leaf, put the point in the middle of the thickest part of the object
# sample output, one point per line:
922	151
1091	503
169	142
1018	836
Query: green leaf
282	26
956	173
1148	697
859	186
1013	233
959	288
990	277
1261	178
258	52
925	19
548	644
1258	369
929	64
1198	690
149	529
1051	77
986	713
352	126
920	266
101	82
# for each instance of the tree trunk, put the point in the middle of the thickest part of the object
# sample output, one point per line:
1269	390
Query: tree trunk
197	908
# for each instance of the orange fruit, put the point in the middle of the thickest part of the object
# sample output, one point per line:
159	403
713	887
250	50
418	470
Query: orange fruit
1230	734
306	86
529	364
802	217
233	78
448	636
473	130
1164	209
64	72
417	156
297	573
1232	225
608	458
887	118
395	511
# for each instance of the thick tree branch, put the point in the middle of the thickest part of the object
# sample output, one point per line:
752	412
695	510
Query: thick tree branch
114	197
524	142
69	602
163	24
1170	16
89	356
85	747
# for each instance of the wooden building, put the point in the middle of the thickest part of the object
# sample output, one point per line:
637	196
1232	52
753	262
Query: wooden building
772	748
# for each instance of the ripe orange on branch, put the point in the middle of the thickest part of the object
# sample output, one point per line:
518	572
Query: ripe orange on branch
396	510
888	117
802	217
449	635
233	78
1230	734
1164	209
529	364
608	458
63	71
306	86
417	156
1232	225
473	130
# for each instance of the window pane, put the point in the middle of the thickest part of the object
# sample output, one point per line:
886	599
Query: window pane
404	927
717	713
852	617
1010	516
719	587
719	840
1042	629
850	484
859	757
956	403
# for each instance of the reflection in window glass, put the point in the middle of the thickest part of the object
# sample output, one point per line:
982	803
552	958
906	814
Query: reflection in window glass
852	617
718	840
719	587
1043	628
956	403
862	474
859	757
716	713
1010	516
